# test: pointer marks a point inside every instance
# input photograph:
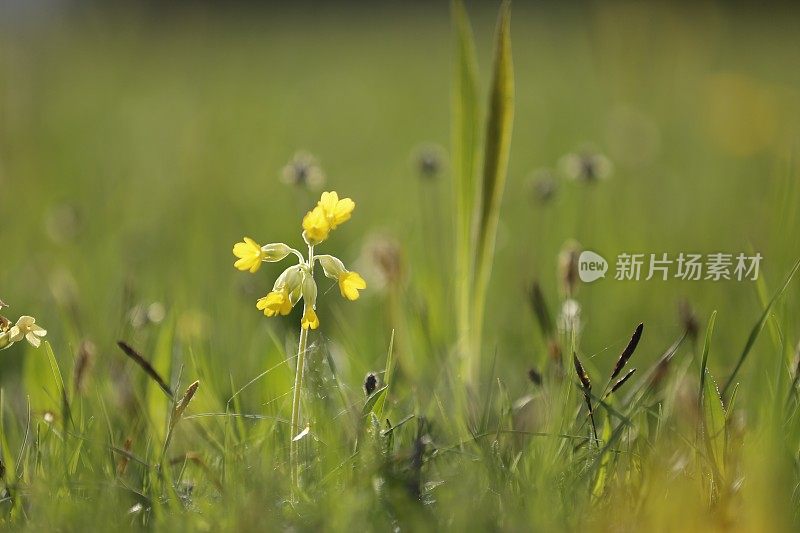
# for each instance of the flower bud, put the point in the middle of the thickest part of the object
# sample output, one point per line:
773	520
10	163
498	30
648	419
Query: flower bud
275	251
310	290
290	279
332	266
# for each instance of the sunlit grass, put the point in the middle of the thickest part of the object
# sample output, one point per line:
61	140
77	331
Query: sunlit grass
134	152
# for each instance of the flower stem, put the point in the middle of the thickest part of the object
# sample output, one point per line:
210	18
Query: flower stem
294	427
295	423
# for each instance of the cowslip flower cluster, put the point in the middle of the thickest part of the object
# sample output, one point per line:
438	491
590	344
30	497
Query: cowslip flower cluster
25	328
297	281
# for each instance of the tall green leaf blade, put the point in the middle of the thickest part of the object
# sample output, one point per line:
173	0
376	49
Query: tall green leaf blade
707	348
495	163
756	331
387	377
158	406
464	154
714	418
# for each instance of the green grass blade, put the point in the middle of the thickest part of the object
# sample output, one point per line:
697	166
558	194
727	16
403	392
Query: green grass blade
369	405
714	418
159	407
706	348
464	152
387	378
759	326
495	165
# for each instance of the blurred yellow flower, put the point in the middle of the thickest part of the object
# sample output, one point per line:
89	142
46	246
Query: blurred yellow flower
275	303
350	283
27	328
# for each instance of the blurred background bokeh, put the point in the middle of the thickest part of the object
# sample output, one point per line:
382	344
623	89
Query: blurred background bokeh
138	142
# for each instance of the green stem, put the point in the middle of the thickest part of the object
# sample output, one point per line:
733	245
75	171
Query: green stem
295	423
294	427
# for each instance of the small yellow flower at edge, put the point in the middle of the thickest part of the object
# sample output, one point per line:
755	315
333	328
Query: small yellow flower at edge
27	328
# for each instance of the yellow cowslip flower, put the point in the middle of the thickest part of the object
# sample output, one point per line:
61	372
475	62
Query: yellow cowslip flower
275	303
309	319
336	211
329	213
349	282
27	328
315	226
251	254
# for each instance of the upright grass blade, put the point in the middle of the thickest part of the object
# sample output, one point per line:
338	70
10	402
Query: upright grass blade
713	421
387	378
59	381
7	462
756	331
464	155
714	418
495	168
706	349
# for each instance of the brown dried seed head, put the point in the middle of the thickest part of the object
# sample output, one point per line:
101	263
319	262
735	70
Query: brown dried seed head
582	375
540	310
688	318
146	366
622	381
83	365
568	267
535	376
184	402
122	464
628	351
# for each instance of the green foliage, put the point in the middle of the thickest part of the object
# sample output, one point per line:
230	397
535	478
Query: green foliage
133	154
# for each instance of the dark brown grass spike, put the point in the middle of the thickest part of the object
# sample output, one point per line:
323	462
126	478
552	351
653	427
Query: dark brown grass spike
621	381
540	310
582	375
586	385
628	351
146	366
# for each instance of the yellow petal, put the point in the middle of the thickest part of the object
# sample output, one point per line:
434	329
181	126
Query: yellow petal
316	226
328	202
350	283
309	319
343	210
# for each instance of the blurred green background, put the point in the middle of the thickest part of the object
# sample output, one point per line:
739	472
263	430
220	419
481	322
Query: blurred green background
137	144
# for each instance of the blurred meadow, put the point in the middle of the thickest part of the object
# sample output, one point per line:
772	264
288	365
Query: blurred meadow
139	142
